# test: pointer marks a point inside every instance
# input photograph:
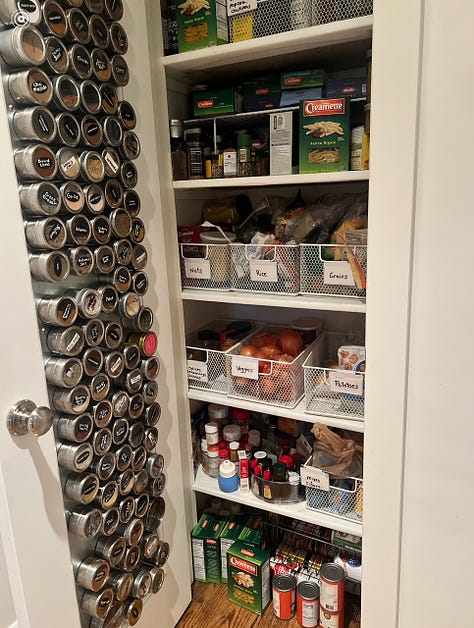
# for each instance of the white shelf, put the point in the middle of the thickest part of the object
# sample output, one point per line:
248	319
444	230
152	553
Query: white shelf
347	176
298	413
205	484
330	304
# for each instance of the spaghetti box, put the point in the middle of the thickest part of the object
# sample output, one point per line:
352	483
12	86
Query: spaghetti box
205	546
350	87
302	79
201	23
324	129
217	101
251	531
261	93
228	536
248	570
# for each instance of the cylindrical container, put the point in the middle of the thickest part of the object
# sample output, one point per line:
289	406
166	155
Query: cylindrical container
244	149
140	286
307	604
94	332
128	174
367	118
241	417
81	487
130	147
54	19
121	583
80	63
109	99
68	164
100	230
143	321
91	132
102	412
133	610
104	467
141	505
68	130
150	393
228	479
126	480
9	10
142	584
99	32
99	385
111	549
20	47
57	60
330	620
150	368
40	199
162	554
139	257
120	429
151	438
101	65
113	10
92	166
78	230
66	342
284	595
131	558
113	193
114	364
91	100
150	545
146	342
113	136
107	495
129	306
137	230
110	521
131	356
30	87
73	401
118	39
119	71
84	522
89	302
75	429
155	514
94	198
92	573
92	361
231	433
136	435
132	532
97	604
156	486
121	222
109	297
139	459
94	6
78	26
64	372
66	95
132	202
82	261
158	577
104	259
34	123
331	577
111	161
131	380
127	115
113	619
72	197
136	405
49	266
127	509
36	161
120	403
61	311
154	465
102	441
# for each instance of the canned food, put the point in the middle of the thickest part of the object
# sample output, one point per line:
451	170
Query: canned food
68	164
54	19
91	100
68	130
139	257
129	305
114	364
155	513
104	259
91	134
73	401
99	386
66	342
131	356
78	230
78	26
136	405
109	99
150	393
101	66
162	553
66	95
104	467
41	199
30	8
113	193
140	286
63	372
94	331
61	311
84	522
124	457
118	39
141	505
72	197
131	558
133	611
151	438
111	161
88	301
49	266
95	198
111	549
92	573
121	583
30	87
97	604
92	166
36	161
331	577
120	431
120	402
102	441
74	428
146	342
34	123
102	412
142	584
130	147
127	509
139	458
150	369
128	174
23	46
57	59
100	228
150	543
126	480
107	495
119	74
330	620
136	435
154	465
113	9
120	222
110	521
141	481
113	619
307	604
99	32
81	487
80	62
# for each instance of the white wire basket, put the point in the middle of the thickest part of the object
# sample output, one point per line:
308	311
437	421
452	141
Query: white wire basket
335	270
324	11
205	266
267	268
330	391
270	17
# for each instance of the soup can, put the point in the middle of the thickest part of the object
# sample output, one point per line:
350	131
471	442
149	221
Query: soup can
331	579
283	588
307	604
331	620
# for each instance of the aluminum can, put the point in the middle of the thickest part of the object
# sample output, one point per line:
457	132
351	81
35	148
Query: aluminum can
331	620
162	554
133	610
57	60
107	495
94	331
331	577
72	197
156	486
124	457
141	505
99	386
132	532
126	509
307	604
35	124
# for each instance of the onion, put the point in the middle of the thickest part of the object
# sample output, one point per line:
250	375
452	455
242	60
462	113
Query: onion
291	342
248	350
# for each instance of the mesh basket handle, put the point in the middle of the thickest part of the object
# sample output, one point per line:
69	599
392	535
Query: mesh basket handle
204	246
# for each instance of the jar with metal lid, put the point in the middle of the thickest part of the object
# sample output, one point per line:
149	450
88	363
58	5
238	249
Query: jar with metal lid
136	405
65	342
142	502
104	467
91	134
109	298
124	457
154	465
92	166
101	65
132	532
130	147
121	583
150	368
129	305
137	231
66	94
150	544
91	100
102	441
142	584
107	495
94	6
100	230
113	10
114	364
102	412
147	342
112	129
57	60
54	19
94	198
82	261
120	222
81	487
111	549
97	604
30	87
109	99
94	331
68	163
131	202
111	161
143	320
140	285
127	508
104	259
128	174
78	26
133	610
72	401
150	392
84	522
68	131
123	251
126	480
113	619
80	62
120	429
88	301
158	578
76	429
60	311
63	372
151	438
156	486
99	32
113	193
113	335
141	482
120	278
131	356
162	553
52	266
120	402
155	513
131	380
110	521
23	46
118	39
34	123
74	457
120	73
131	558
136	434
72	197
30	9
139	459
36	161
99	386
78	230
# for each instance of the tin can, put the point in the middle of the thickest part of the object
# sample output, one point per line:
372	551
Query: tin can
156	486
30	87
110	521
84	522
113	364
92	166
76	429
126	481
94	6
92	361
36	161
140	286
101	65
102	412
151	438
72	197
120	431
162	554
154	465
68	131
52	266
107	495
131	381
127	115
139	257
68	164
100	230
121	583
136	435
131	558
111	549
119	71
66	95
331	620
97	604
57	60
109	296
99	386
129	305
113	10
91	133
128	174
61	311
283	588
40	199
92	573
127	509
150	369
132	532
64	372
141	505
99	32
81	260
78	229
102	441
118	39
91	103
113	335
142	584
121	278
331	577
158	578
120	401
150	544
130	146
133	610
124	457
46	233
139	458
109	99
81	487
155	514
80	63
104	259
73	401
54	19
34	123
94	331
307	604
78	26
94	198
104	466
136	405
131	356
141	482
23	46
113	619
150	393
89	302
113	136
113	193
147	342
111	161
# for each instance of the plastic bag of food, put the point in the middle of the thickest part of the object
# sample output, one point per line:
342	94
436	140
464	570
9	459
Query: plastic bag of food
262	219
286	223
341	457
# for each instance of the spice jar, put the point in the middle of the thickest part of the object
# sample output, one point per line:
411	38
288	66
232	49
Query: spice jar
126	114
49	266
139	257
150	392
128	175
91	99
23	46
113	193
130	147
109	99
120	74
111	549
123	251
57	60
78	26
94	198
81	487
30	87
60	311
78	229
40	199
9	12
121	583
35	123
111	161
99	32
94	331
137	230
80	63
101	66
66	342
120	430
113	335
84	522
104	259
66	95
35	161
99	387
68	163
109	296
91	131
92	361
113	9
46	233
120	222
194	154
112	129
54	19
94	6
140	286
230	160
74	457
75	429
68	130
97	604
72	197
118	39
92	166
244	162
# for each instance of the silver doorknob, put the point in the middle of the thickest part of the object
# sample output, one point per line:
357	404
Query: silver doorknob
26	417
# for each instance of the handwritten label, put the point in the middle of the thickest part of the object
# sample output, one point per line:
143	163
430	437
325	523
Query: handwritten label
196	268
234	7
197	371
243	366
338	274
315	478
346	382
263	270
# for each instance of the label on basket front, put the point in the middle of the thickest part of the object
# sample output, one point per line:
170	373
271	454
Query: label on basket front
338	274
263	270
234	7
315	478
243	366
196	268
197	371
346	382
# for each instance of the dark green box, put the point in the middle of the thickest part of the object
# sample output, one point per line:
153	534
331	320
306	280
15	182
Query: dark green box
205	547
217	101
229	534
248	570
301	79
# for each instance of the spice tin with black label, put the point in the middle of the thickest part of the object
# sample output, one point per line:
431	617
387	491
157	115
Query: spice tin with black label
68	163
113	335
54	19
113	10
94	6
121	583
78	230
128	174
110	521
136	405
30	8
91	100
99	386
126	481
157	485
20	47
36	161
132	202
120	73
34	123
81	487
150	392
102	411
100	230
104	467
74	457
102	441
92	573
118	39
97	604
111	549
109	99
94	332
80	63
92	361
133	610
141	482
68	130
142	584
151	438
131	356
155	514
113	193
132	532
141	505
162	553
91	134
139	257
131	558
61	311
74	401
130	147
57	59
53	266
120	429
64	372
127	509
149	543
139	458
75	429
82	260
101	66
84	521
104	259
99	32
78	26
154	465
40	199
72	197
136	434
124	457
94	198
107	495
30	87
140	286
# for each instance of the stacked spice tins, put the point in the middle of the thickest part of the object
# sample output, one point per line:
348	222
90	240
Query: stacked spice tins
75	151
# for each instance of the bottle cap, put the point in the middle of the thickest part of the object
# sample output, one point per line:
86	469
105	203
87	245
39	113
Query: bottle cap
227	469
223	453
234	445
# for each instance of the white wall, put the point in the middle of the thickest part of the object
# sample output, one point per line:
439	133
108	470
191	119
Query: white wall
438	508
7	612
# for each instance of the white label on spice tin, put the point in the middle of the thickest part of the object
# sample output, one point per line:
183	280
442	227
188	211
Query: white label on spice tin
315	478
242	366
338	274
346	382
197	268
263	270
74	340
234	7
197	371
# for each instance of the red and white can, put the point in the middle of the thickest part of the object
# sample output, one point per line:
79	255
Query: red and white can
331	582
331	620
284	596
307	604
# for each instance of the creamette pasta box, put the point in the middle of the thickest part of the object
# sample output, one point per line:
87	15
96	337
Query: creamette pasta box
324	135
248	574
201	23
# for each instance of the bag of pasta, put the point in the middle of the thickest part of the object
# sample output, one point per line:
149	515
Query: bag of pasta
334	454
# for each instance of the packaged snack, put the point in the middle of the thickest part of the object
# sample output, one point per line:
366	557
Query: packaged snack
351	358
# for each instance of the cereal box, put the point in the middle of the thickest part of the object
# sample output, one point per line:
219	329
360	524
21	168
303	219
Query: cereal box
248	571
201	23
205	546
324	135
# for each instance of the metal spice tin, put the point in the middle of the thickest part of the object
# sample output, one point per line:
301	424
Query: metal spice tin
151	438
156	486
64	372
34	123
111	161
128	174
132	532
102	412
74	401
54	19
61	311
9	10
97	604
81	487
95	198
109	297
113	335
140	286
57	59
113	619
120	431
68	163
129	305
36	161
107	495
120	74
121	278
121	583
113	134
141	505
139	458
133	611
66	95
102	441
114	364
154	465
162	553
80	62
91	134
91	100
127	509
68	130
136	434
21	47
113	193
84	522
92	573
75	457
88	301
136	405
109	99
131	355
92	166
78	230
139	257
142	584
110	521
137	231
30	87
82	261
132	381
72	197
104	259
131	558
49	266
124	457
78	26
131	202
130	147
150	369
147	342
66	342
150	543
111	549
113	9
126	480
94	331
94	6
101	66
141	481
100	229
76	429
99	32
99	386
155	513
120	401
104	467
121	222
150	392
158	577
118	39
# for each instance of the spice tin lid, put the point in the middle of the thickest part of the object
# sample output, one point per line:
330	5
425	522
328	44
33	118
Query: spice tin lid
151	438
139	257
82	260
107	495
75	457
78	26
113	193
122	279
140	286
120	431
113	9
30	9
68	163
130	147
150	392
124	457
101	66
100	229
142	584
52	266
136	405
154	465
84	522
150	543
162	553
81	487
99	31
158	577
139	458
72	197
109	99
76	429
41	124
74	401
92	361
102	441
131	558
80	62
157	485
127	115
136	434
111	548
120	402
155	513
111	161
120	222
131	202
119	71
68	130
133	531
97	604
92	573
128	174
79	230
92	164
113	619
30	86
94	6
110	521
66	92
91	133
133	611
104	259
129	306
122	583
94	334
113	338
94	198
99	386
137	231
104	467
118	39
150	369
141	481
91	100
141	504
127	508
42	197
102	413
54	19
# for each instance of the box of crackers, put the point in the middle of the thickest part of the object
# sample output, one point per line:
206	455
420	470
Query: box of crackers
324	129
201	23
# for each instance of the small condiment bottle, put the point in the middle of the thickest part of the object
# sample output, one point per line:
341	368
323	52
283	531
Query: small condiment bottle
194	154
230	161
212	463
234	448
227	477
223	455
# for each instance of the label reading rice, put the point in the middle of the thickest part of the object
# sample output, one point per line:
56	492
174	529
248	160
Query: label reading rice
234	7
263	270
197	268
197	371
346	382
338	274
242	366
315	478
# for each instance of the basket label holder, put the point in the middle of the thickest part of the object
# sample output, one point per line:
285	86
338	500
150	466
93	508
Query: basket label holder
338	274
243	366
197	268
312	477
346	382
197	371
235	7
265	271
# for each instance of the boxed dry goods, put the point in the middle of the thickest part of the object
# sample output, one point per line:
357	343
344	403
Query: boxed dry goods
262	92
201	23
229	535
324	135
205	547
299	79
217	101
248	570
250	532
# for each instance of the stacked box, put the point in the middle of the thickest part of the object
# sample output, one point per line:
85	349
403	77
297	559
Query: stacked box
228	536
262	92
248	570
201	24
217	101
205	547
250	533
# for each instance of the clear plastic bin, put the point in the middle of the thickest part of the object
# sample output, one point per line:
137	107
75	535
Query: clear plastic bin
277	492
267	268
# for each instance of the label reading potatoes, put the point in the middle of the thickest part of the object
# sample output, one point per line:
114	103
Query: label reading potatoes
263	270
197	371
346	382
338	274
315	478
243	366
197	268
234	7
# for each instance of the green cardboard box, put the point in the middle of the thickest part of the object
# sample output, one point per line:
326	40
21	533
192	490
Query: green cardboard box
251	531
262	92
229	534
205	547
248	570
302	79
217	101
324	135
201	24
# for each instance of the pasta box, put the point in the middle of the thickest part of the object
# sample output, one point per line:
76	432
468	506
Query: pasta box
250	533
324	129
206	549
201	23
217	101
248	572
228	536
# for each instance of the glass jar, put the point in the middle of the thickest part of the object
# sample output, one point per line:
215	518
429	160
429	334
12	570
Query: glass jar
213	463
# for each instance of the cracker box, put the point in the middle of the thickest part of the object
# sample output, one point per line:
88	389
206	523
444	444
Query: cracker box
324	135
201	23
248	571
205	546
228	536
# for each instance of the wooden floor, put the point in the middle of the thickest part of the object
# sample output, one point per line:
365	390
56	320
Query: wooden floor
211	608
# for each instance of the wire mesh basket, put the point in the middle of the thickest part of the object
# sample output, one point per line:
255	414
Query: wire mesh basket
330	391
324	11
266	268
335	270
205	266
270	17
